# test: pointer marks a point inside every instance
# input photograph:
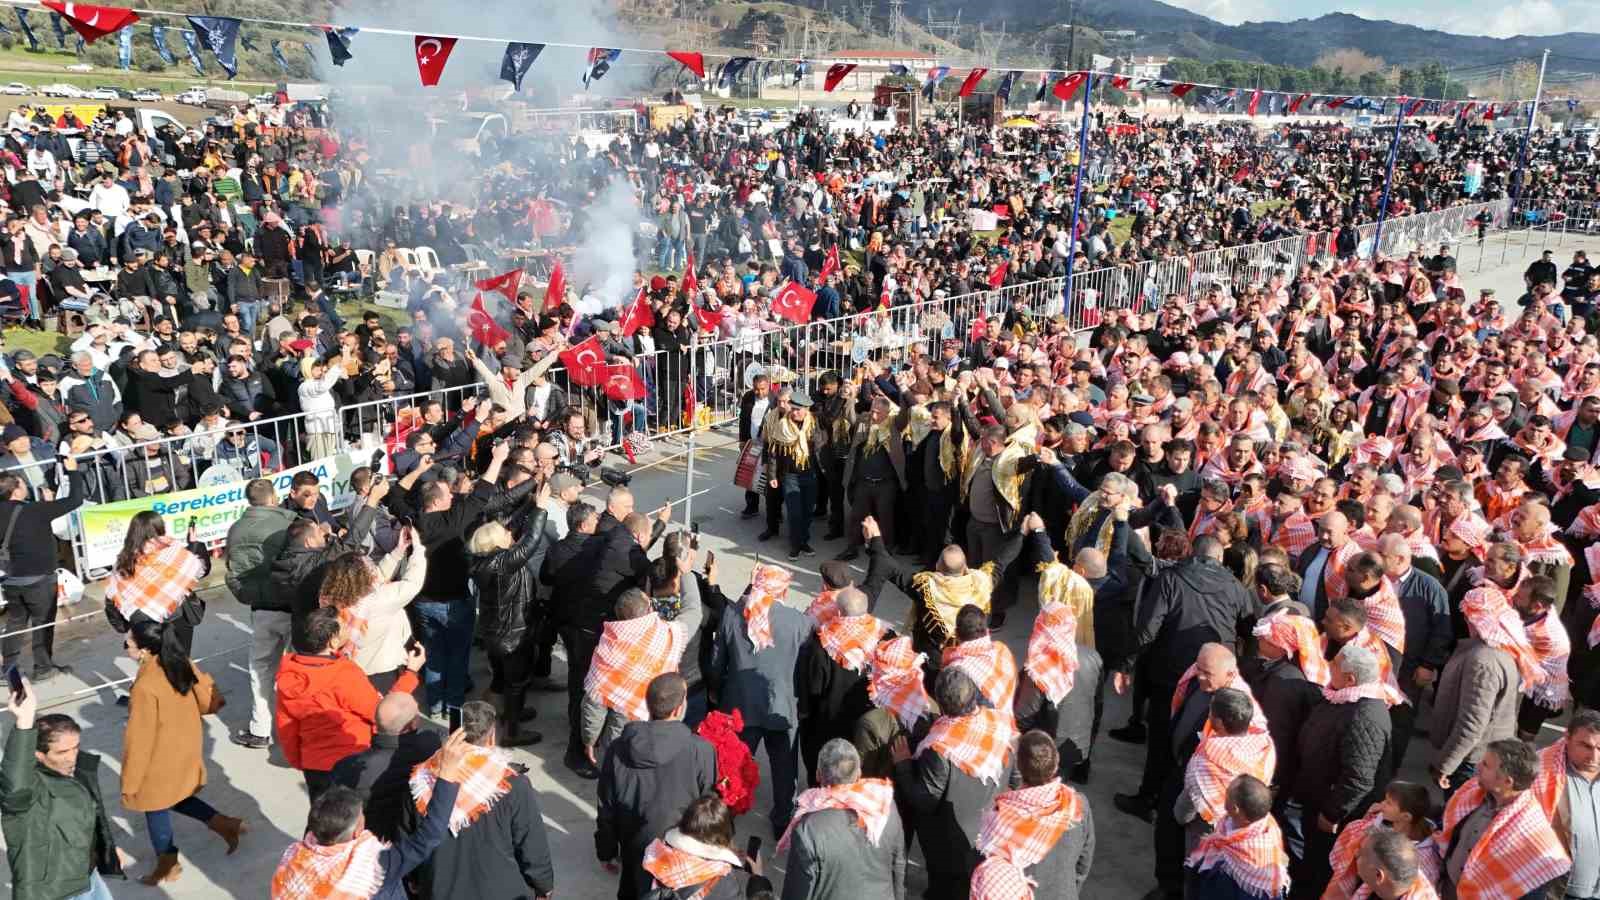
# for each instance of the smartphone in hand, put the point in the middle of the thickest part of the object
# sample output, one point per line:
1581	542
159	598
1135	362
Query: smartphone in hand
14	681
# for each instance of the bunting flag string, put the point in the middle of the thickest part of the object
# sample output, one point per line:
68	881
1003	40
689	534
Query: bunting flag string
694	62
277	56
27	30
125	48
432	53
158	38
59	29
219	34
517	61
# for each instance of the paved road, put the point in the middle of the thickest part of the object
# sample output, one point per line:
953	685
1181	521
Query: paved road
271	798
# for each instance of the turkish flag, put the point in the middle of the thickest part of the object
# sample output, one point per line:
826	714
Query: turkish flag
1255	101
883	298
555	293
638	315
93	22
431	55
997	275
971	82
794	302
1120	82
690	284
622	382
1337	102
586	362
1415	107
830	264
694	62
482	326
1294	105
1066	87
836	74
1178	90
506	284
709	319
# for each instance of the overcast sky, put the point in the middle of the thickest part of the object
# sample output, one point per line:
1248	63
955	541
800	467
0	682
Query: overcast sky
1498	20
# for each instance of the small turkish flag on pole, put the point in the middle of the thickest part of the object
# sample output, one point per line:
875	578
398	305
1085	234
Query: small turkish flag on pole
709	319
507	284
997	275
639	314
690	284
794	302
484	329
694	62
93	22
622	382
555	293
431	55
585	362
830	264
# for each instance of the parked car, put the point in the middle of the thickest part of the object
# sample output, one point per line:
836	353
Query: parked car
61	90
17	89
191	97
80	67
148	95
103	93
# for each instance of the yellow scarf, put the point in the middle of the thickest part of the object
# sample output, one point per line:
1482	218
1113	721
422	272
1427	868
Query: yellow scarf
944	595
879	434
949	460
786	438
920	425
1084	518
1058	583
1007	480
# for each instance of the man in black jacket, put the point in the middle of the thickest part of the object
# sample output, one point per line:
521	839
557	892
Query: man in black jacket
649	775
150	394
831	675
382	772
1187	606
1429	634
569	568
501	849
30	577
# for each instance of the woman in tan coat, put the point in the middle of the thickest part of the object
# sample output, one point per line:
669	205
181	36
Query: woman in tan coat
162	768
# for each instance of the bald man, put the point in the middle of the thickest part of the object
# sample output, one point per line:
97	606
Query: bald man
1321	566
381	771
1388	865
1429	634
831	681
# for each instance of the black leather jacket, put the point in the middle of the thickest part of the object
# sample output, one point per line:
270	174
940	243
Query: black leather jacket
506	588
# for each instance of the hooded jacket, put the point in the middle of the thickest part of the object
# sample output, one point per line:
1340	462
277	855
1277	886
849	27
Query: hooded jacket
1190	604
649	775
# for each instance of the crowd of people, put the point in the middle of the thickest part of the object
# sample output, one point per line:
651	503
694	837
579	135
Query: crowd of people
1285	512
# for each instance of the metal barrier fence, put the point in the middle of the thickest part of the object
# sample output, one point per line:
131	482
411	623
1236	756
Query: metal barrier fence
718	370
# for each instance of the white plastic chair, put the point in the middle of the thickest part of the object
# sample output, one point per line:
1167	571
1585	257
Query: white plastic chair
427	260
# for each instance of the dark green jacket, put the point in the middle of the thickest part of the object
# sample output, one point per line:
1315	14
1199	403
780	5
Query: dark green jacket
254	541
55	827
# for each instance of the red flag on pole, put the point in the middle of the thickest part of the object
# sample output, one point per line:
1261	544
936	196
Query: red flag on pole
836	74
709	319
622	382
794	302
1178	90
883	298
694	62
482	326
431	55
1255	101
690	284
585	362
93	22
1488	113
1066	87
971	82
507	284
997	275
1415	107
555	293
1294	105
639	314
830	264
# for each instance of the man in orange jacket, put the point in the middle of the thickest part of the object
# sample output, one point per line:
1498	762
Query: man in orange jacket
327	708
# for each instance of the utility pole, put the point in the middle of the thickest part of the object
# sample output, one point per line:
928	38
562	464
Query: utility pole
1072	32
1522	152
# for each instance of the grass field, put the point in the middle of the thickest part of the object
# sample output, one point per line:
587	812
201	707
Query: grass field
50	67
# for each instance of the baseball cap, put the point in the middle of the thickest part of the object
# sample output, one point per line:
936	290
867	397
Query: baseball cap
11	433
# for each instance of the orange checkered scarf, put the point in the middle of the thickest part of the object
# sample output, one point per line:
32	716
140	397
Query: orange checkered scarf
488	779
978	744
1018	831
768	585
895	682
1252	855
990	665
164	575
1257	720
1346	882
1550	643
1333	570
871	799
823	610
1299	636
851	641
1218	759
1472	530
1392	694
1295	534
1517	853
632	653
1551	783
1052	660
309	870
1489	612
677	869
1384	616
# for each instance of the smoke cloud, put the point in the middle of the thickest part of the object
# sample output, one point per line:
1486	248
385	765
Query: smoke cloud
604	258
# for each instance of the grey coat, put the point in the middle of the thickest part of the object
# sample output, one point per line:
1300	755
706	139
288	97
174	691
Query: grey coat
1477	703
1065	868
759	684
830	858
1072	722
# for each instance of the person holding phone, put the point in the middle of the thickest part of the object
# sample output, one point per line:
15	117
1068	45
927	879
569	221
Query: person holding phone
697	859
30	570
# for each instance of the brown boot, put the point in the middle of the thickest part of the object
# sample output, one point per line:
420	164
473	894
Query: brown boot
167	869
228	828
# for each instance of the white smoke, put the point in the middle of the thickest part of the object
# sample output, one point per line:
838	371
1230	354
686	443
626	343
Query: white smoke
604	259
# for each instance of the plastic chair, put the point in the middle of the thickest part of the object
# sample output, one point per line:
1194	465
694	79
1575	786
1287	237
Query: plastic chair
427	260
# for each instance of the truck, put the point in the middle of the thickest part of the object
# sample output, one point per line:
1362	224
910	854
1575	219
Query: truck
467	131
148	120
222	98
306	93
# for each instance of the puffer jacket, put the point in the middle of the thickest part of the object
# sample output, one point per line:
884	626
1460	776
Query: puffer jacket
55	827
506	587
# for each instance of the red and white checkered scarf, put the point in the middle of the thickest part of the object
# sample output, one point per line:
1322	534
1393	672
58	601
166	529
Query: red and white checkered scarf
1218	759
162	578
978	744
1384	616
1333	569
488	779
1052	660
1258	719
1295	534
1346	882
1299	636
1021	829
871	799
1550	785
1518	852
991	667
677	869
350	870
851	641
823	610
1550	643
1392	694
630	655
1252	855
1489	612
895	682
768	585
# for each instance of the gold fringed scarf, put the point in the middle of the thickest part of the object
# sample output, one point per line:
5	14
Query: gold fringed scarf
1084	518
1058	583
944	595
949	454
1007	479
784	438
879	434
920	426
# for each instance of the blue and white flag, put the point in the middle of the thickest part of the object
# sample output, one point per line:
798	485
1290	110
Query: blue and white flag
897	69
599	63
517	61
931	83
158	37
277	56
247	42
1004	90
60	30
219	34
339	44
728	74
800	70
192	44
125	48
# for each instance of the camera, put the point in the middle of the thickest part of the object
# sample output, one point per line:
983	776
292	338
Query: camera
615	477
576	470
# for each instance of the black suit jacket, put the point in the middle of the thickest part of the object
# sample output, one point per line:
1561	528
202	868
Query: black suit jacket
381	773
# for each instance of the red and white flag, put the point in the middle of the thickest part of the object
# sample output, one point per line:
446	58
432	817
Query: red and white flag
690	285
639	314
1255	102
555	293
585	362
1066	87
694	62
93	22
431	55
836	74
709	319
507	284
971	82
793	302
830	264
482	326
622	382
997	275
883	298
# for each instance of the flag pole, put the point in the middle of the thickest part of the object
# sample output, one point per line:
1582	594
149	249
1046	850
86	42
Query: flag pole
688	469
1388	179
1077	195
1522	152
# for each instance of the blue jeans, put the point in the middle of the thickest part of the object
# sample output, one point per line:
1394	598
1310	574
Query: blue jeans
159	822
672	252
445	630
97	889
799	499
30	281
331	310
641	420
783	755
249	311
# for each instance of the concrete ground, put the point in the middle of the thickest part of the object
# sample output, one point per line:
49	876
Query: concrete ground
261	789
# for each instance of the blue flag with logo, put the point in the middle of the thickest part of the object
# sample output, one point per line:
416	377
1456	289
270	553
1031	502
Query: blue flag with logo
729	74
27	30
246	42
219	34
125	48
193	46
60	30
518	59
897	69
277	56
1004	90
158	37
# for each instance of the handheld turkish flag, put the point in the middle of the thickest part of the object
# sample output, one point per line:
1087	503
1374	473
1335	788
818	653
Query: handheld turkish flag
694	62
1066	87
506	284
830	264
93	22
585	362
971	82
883	298
997	275
709	319
639	314
555	293
431	55
794	302
622	382
1255	102
690	285
836	74
482	326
